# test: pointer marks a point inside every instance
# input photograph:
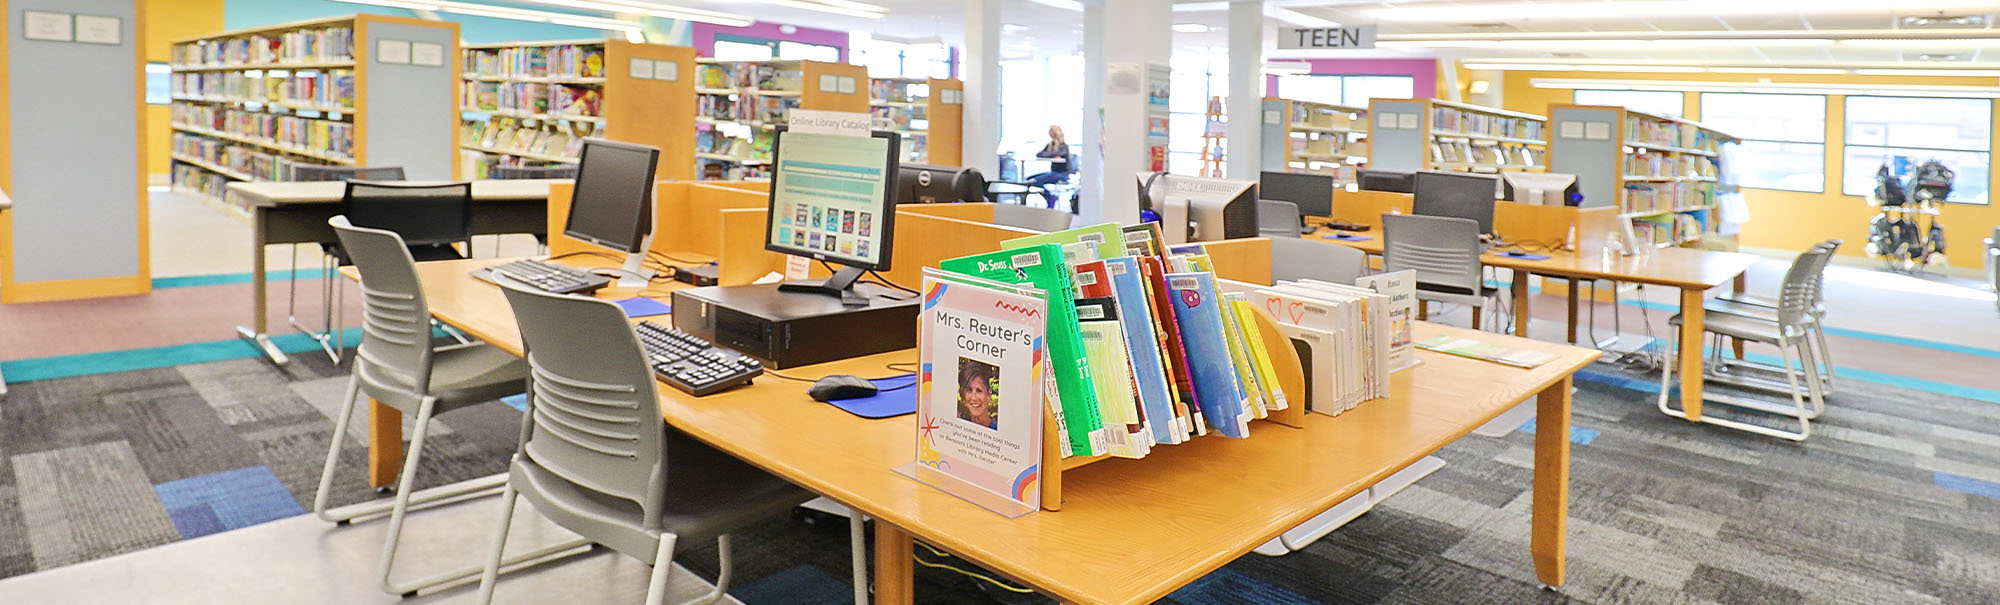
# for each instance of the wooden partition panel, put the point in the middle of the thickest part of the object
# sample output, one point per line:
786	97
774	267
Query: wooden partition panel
1244	260
923	240
979	212
669	204
655	110
1367	207
698	220
947	123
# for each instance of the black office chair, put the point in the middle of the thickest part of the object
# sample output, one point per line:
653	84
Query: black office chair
430	217
555	171
329	251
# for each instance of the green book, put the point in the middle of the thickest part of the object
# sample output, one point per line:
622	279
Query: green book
1108	238
1042	266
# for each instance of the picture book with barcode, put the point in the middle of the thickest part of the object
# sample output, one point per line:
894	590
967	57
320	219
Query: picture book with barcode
979	387
1042	266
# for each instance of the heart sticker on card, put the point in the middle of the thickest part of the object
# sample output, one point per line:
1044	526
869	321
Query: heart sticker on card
1298	311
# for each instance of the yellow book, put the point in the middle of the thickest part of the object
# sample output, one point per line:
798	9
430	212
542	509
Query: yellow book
1239	357
1260	356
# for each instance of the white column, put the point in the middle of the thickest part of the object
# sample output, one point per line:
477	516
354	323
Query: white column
981	128
1086	144
1143	36
1246	90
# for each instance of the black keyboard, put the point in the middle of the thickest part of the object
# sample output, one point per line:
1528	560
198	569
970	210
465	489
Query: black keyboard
694	365
551	277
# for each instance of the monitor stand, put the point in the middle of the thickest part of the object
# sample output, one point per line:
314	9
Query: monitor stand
840	285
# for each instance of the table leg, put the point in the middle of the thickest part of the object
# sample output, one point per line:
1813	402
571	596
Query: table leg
1572	309
385	444
1551	508
255	332
1521	303
895	566
1690	370
1742	283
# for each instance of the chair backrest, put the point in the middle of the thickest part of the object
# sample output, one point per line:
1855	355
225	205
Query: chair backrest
1038	219
593	416
1277	218
395	318
423	214
558	171
1819	276
317	172
1444	251
1796	292
1298	258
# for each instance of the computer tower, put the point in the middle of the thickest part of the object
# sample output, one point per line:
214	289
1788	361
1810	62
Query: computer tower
791	329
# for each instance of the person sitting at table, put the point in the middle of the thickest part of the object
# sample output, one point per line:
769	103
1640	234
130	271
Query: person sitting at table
1057	151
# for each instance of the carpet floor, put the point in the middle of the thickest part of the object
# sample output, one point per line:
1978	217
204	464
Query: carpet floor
1893	500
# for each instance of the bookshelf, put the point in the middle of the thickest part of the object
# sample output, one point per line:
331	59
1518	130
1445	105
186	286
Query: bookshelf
1408	135
1319	138
1661	173
928	112
249	104
738	103
533	103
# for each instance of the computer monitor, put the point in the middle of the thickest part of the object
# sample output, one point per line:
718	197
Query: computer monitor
928	184
613	201
1195	209
1383	180
1312	192
1541	188
1454	194
831	200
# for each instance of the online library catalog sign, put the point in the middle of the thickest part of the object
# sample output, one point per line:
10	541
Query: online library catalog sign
980	390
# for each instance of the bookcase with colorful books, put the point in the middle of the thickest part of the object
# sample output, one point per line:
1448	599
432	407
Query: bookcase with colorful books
1319	138
739	103
1664	174
533	103
928	112
248	105
1408	135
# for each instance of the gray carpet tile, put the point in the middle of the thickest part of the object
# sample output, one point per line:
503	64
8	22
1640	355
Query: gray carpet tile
87	502
174	435
16	551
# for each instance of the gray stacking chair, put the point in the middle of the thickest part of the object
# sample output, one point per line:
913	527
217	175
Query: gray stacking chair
1026	217
556	171
596	458
1277	218
398	365
1993	264
1790	333
1766	308
328	336
1299	258
1444	251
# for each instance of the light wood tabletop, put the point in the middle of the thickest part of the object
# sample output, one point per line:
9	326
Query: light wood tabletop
272	193
1130	531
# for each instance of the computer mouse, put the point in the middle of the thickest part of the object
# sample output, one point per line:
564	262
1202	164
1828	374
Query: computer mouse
841	386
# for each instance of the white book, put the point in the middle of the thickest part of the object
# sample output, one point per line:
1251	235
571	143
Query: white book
1320	355
1346	325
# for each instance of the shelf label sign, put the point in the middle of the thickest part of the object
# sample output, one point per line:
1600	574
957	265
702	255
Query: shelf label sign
1323	38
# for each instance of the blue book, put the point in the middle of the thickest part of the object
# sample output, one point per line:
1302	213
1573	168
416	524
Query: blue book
1148	369
1215	383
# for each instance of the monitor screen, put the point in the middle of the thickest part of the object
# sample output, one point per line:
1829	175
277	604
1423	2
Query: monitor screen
830	197
1455	194
1383	180
613	202
928	184
1312	192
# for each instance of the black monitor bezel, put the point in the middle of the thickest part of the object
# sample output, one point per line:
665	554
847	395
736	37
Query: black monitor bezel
644	222
1485	220
1327	203
892	168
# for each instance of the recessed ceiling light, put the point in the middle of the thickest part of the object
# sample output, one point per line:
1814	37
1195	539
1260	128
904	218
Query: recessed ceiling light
1988	73
1663	69
1191	28
1521	66
1815	71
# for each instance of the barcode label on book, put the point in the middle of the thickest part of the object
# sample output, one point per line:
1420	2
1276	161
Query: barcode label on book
1025	260
1093	336
1136	236
1086	278
1095	238
1090	312
1184	283
1115	269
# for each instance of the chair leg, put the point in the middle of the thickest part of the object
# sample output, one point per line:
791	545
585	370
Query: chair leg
1824	355
858	543
404	484
1667	364
1477	311
1423	310
663	562
1785	347
490	574
333	451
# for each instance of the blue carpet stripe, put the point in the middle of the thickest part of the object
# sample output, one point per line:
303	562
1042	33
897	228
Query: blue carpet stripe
799	584
228	500
83	364
1228	586
1967	484
222	279
1577	435
517	401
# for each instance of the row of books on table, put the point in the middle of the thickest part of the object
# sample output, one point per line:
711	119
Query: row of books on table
1146	347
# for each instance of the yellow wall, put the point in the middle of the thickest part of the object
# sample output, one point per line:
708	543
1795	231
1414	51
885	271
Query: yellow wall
166	21
1788	220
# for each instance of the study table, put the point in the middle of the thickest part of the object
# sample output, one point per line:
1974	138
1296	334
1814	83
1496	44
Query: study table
1130	531
1691	271
295	212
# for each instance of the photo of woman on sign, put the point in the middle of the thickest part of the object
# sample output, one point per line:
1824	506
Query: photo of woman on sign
977	389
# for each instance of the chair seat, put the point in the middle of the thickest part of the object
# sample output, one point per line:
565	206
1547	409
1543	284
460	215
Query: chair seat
1450	294
419	253
709	494
1762	301
461	375
1750	310
1738	326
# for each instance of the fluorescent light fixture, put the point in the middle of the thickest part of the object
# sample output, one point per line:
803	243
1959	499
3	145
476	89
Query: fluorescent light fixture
862	6
415	6
1068	5
657	10
1984	73
1520	66
635	37
1199	7
1739	42
1287	68
1658	69
1293	17
1191	28
533	17
1438	44
1479	87
1514	12
1778	88
1813	71
1603	43
604	24
1013	27
829	8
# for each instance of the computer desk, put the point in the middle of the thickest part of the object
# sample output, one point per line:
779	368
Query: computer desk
1691	271
295	212
1130	531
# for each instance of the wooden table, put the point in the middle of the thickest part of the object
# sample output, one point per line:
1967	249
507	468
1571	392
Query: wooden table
1130	531
295	212
1691	271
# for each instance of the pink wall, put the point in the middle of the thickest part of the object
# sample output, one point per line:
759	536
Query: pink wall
1422	71
704	36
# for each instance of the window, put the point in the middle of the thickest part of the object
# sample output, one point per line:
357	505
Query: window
1352	91
727	50
1784	137
808	52
157	86
1040	92
887	59
1906	131
745	48
1656	102
1196	78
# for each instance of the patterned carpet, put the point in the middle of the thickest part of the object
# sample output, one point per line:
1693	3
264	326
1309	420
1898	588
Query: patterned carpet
1895	499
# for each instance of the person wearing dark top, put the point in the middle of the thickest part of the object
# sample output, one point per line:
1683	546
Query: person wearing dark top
1059	168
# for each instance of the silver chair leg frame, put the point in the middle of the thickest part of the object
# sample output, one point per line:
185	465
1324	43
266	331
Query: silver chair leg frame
328	271
438	496
859	545
489	571
1799	412
333	451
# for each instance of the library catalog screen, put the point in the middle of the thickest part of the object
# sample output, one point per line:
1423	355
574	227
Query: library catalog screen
829	193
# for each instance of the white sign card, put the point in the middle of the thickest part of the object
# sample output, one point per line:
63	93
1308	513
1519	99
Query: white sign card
1123	78
427	54
392	51
1273	116
1597	131
846	84
1386	121
94	29
1570	129
667	70
1322	38
641	69
38	25
839	123
829	83
1406	121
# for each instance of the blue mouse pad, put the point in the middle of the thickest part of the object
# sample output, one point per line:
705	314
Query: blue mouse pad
1347	237
1525	256
893	397
640	306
